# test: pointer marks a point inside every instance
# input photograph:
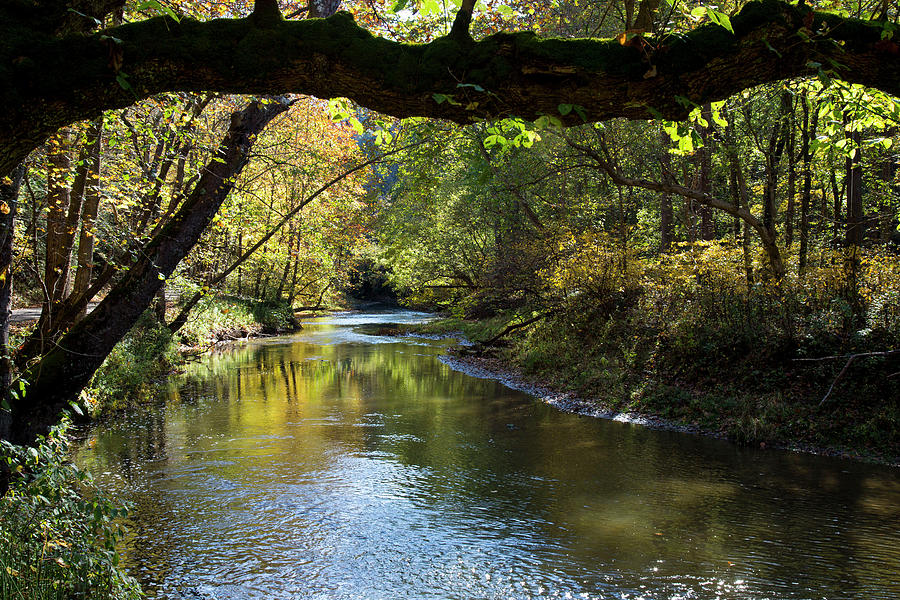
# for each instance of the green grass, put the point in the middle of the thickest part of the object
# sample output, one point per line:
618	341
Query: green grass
149	351
217	318
145	355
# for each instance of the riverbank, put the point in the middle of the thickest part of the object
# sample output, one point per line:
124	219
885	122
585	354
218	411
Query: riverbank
150	353
756	416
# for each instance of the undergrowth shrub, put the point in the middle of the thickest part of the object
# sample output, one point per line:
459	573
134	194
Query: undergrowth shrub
144	354
689	335
58	532
229	316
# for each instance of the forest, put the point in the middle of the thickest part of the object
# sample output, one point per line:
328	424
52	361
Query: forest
673	208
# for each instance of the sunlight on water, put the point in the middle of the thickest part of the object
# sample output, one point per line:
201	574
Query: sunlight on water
340	464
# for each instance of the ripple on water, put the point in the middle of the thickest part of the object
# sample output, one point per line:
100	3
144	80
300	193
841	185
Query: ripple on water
342	468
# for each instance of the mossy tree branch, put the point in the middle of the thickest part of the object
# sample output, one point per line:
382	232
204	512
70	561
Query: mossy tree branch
48	81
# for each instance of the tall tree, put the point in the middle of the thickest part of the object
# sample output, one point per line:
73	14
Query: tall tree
65	370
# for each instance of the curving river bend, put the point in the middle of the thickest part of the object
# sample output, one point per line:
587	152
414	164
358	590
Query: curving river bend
339	465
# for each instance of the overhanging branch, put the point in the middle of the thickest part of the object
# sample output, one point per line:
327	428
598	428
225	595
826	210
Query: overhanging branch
47	82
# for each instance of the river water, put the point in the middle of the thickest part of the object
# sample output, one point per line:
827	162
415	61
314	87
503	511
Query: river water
335	464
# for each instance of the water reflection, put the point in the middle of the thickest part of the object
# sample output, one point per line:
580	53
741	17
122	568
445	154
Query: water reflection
338	464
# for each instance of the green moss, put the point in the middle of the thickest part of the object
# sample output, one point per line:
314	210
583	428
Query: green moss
606	56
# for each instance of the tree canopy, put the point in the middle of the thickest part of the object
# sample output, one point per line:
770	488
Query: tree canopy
55	70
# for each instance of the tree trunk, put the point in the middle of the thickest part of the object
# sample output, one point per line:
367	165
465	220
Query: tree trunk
853	177
809	133
64	371
791	181
741	199
89	210
773	154
837	214
704	165
69	79
665	201
287	263
9	194
646	12
59	163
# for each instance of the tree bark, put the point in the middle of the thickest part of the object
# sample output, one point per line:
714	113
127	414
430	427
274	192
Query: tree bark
809	133
89	210
837	194
773	153
9	194
59	163
853	177
60	375
55	81
704	164
666	214
790	211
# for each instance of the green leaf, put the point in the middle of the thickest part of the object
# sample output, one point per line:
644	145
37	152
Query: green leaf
430	7
399	5
526	139
721	19
122	80
339	109
547	121
685	102
824	78
495	140
356	125
565	109
78	411
156	5
441	98
717	114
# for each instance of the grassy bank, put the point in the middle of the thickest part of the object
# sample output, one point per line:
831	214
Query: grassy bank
757	400
762	365
150	351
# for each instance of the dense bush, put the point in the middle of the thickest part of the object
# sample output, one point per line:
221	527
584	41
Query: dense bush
690	336
146	353
58	532
220	318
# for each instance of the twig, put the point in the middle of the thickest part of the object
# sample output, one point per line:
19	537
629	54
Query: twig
834	383
511	328
850	358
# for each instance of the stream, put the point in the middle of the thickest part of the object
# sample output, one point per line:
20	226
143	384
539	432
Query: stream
341	464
